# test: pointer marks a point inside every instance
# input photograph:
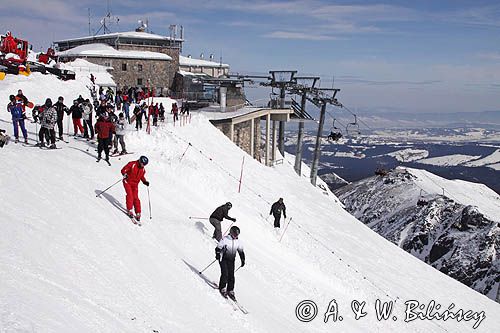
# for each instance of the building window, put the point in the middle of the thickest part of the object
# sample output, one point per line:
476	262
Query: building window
124	66
107	64
139	82
139	68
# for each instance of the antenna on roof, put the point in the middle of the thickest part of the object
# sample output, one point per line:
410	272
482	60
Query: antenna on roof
105	20
142	26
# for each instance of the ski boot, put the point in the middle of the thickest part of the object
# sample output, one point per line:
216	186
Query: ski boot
223	292
130	214
26	140
53	146
230	294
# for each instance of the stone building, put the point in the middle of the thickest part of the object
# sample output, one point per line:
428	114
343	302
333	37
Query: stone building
138	58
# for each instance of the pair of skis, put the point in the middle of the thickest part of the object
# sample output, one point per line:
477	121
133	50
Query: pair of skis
234	303
107	161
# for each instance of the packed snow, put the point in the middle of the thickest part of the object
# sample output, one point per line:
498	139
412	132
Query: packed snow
449	160
72	262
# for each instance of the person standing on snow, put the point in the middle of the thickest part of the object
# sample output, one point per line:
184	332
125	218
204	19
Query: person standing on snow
120	125
104	129
15	108
48	119
276	210
133	172
216	219
88	128
61	108
225	253
76	114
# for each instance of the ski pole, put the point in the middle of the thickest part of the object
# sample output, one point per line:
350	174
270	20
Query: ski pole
225	233
149	201
198	218
237	269
207	266
185	151
289	221
109	187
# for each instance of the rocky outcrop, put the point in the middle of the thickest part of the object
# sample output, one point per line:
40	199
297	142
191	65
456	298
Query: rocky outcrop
454	238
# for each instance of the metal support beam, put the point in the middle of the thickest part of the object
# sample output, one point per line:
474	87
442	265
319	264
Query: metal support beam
317	148
300	138
231	132
268	129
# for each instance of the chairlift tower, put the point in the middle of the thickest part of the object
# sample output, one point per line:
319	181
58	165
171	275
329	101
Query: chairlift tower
282	79
321	99
304	85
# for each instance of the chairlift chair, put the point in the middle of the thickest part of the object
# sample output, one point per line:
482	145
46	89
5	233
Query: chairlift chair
352	129
335	133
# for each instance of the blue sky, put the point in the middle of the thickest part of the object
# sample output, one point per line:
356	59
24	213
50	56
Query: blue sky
410	56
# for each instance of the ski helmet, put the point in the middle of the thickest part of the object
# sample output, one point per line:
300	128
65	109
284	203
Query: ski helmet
234	231
12	98
48	102
144	160
229	205
60	98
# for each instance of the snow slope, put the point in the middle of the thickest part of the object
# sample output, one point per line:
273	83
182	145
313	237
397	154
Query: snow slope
461	191
448	160
490	159
72	262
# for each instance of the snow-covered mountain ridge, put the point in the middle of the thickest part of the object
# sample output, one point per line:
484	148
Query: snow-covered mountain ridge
458	233
71	262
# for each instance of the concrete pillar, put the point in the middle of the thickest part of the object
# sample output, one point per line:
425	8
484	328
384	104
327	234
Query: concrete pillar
268	130
223	95
231	131
252	137
274	142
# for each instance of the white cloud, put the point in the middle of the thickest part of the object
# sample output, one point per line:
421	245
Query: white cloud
298	35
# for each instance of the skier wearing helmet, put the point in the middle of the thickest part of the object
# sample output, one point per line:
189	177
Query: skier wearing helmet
225	253
132	173
216	219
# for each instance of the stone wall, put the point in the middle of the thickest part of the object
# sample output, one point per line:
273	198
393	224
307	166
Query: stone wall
241	135
172	52
159	72
235	96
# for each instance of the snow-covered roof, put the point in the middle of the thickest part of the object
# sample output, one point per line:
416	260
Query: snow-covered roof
191	62
106	51
126	34
185	73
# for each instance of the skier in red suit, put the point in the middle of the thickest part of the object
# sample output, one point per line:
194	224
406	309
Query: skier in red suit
132	173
